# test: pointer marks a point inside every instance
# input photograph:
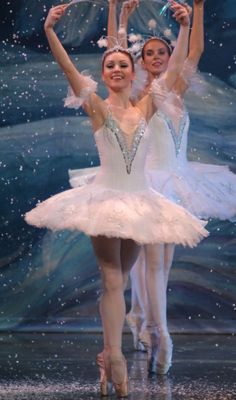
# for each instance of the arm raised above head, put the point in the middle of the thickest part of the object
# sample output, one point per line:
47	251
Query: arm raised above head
112	23
79	83
128	7
62	58
179	54
119	35
196	46
161	86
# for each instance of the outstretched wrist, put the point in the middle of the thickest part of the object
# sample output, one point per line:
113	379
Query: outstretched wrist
48	28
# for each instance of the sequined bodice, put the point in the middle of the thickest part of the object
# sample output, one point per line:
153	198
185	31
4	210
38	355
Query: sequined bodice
168	147
122	161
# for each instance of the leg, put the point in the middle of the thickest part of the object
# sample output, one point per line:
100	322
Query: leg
112	305
139	304
168	260
156	287
137	275
135	316
109	253
161	352
129	254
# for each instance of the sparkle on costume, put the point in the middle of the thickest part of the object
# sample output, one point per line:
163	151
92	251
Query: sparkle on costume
129	153
176	136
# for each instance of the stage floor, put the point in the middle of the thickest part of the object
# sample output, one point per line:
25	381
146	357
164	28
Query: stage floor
61	366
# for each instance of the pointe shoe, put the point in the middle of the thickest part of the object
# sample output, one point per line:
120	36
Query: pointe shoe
119	376
164	354
160	358
105	375
133	322
144	341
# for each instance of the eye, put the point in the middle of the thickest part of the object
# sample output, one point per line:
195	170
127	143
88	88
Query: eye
124	65
162	52
149	53
109	65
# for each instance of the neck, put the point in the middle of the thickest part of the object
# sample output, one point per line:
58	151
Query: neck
120	99
151	77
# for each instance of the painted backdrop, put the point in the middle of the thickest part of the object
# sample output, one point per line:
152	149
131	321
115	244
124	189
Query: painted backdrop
51	281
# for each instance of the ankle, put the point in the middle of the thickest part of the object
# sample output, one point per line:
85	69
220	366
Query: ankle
115	352
118	369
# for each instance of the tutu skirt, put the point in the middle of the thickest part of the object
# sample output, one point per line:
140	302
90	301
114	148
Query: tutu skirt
144	216
207	191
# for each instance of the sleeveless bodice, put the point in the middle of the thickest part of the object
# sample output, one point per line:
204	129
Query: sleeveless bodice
122	160
168	145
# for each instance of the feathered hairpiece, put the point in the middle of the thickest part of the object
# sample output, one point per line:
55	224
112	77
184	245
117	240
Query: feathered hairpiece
103	42
137	41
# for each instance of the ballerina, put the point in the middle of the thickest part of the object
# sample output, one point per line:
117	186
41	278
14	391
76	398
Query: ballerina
208	191
118	210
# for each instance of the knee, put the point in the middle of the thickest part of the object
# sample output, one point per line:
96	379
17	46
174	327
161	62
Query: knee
112	282
155	266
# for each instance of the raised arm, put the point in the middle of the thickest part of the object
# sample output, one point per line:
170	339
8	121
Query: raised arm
73	75
161	86
119	35
112	23
196	46
128	7
78	82
179	54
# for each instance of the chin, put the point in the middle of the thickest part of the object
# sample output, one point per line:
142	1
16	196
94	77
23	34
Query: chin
157	71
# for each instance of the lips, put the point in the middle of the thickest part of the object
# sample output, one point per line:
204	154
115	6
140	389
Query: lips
117	77
157	64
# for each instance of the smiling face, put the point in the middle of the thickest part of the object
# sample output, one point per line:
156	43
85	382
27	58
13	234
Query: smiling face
155	56
118	70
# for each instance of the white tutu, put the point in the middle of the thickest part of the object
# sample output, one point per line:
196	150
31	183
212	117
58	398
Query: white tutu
207	191
119	202
145	217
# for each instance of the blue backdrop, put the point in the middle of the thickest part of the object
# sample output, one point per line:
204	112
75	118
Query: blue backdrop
51	281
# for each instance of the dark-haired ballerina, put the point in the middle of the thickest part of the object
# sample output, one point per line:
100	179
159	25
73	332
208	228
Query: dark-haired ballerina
119	211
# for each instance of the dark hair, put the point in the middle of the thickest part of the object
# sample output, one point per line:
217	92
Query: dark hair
161	39
112	51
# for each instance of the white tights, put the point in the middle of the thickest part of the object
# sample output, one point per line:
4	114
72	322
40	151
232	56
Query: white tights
149	278
115	258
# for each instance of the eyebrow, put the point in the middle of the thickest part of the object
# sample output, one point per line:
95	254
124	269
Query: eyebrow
112	61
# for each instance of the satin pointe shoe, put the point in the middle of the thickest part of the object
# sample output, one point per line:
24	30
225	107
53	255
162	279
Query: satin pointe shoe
164	354
105	374
134	323
119	376
160	357
144	341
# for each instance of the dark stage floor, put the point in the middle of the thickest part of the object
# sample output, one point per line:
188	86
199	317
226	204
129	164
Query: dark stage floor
61	366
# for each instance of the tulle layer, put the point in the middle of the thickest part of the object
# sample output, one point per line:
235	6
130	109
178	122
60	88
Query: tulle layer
207	191
145	217
82	176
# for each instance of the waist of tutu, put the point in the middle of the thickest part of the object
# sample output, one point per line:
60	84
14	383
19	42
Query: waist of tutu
125	181
172	167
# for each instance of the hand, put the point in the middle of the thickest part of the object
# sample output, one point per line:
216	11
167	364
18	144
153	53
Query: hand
180	13
55	13
128	8
113	2
188	8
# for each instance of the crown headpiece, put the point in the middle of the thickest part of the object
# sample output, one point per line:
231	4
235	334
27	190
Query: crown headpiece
116	46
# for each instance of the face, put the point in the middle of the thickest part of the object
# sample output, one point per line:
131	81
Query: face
155	57
117	71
